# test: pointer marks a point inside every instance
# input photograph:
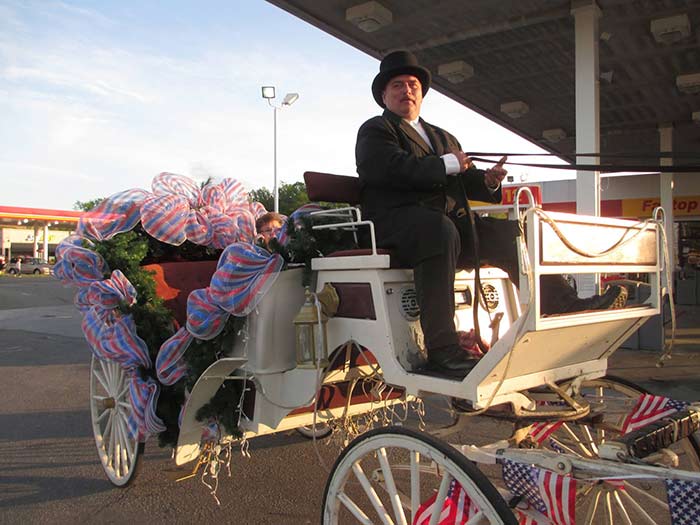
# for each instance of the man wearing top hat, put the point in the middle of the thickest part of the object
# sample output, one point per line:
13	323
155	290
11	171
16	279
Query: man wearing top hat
412	174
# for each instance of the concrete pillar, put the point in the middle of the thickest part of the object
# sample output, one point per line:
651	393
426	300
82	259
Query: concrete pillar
666	194
586	14
46	242
36	241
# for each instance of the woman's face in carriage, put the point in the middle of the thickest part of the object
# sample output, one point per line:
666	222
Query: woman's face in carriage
269	230
403	95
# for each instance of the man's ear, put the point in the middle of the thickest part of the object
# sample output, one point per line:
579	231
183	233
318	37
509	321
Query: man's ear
384	97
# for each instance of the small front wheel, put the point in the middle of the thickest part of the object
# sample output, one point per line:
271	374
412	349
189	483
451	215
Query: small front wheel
110	407
36	271
319	431
398	475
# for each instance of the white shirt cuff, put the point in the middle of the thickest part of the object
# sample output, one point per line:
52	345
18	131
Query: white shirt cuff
452	166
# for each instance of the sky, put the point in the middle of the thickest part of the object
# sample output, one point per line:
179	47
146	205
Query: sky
100	96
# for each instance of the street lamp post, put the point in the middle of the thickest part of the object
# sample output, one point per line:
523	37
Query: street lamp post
268	93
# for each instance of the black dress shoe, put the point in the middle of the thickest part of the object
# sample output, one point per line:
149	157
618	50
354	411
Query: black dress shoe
613	298
451	361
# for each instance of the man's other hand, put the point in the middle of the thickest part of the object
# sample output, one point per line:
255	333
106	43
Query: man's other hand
495	175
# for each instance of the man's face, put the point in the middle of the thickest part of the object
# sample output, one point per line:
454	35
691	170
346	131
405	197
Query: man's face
403	95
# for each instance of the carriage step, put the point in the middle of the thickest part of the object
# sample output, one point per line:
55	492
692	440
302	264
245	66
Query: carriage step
653	437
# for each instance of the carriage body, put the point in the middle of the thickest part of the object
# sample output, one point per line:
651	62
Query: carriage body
378	317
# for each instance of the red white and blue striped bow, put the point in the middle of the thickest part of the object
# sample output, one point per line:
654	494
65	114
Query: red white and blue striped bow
77	264
243	276
178	210
143	420
116	214
110	334
170	365
205	319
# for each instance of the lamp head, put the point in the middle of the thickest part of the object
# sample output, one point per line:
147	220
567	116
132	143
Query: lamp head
290	98
268	92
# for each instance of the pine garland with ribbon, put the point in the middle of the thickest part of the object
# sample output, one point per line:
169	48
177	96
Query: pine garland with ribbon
125	319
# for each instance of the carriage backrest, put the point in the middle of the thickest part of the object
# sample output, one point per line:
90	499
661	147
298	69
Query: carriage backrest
327	187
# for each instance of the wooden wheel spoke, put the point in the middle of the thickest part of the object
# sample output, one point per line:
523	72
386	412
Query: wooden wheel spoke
577	440
415	484
441	495
621	506
371	494
391	487
102	379
354	509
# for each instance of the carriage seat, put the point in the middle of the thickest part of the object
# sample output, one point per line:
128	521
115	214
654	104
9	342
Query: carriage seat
341	189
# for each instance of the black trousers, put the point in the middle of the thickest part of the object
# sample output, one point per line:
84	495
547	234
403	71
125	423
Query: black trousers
434	277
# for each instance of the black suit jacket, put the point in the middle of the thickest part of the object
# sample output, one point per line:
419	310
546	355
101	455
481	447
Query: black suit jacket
404	186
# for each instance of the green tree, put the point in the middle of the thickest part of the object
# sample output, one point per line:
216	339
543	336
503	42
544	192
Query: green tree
87	205
291	197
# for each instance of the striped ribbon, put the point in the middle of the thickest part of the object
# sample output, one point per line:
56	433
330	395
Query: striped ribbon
165	218
224	230
116	214
198	228
257	209
243	276
170	365
111	292
235	193
166	184
217	215
205	319
76	264
110	334
143	420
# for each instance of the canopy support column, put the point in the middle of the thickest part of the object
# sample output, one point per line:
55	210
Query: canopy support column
666	194
586	15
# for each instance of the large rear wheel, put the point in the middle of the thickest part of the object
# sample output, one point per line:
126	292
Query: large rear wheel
110	407
628	501
395	475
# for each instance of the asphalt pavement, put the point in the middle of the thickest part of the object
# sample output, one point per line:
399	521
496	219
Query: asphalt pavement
50	473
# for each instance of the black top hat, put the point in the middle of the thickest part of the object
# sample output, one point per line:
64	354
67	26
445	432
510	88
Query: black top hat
395	64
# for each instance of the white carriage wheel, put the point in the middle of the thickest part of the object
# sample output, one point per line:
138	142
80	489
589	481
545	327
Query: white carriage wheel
110	407
385	475
625	501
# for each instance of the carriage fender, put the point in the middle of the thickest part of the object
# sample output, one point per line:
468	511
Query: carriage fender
205	387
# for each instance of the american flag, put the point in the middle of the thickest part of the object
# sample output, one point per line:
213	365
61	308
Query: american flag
559	495
541	431
527	519
650	408
550	493
457	509
684	501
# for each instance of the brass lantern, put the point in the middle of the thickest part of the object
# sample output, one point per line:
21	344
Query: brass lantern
311	334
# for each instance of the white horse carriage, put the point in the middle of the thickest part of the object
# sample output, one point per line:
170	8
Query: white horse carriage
357	345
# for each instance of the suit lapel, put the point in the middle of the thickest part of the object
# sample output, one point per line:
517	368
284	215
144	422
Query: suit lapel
414	136
408	131
438	146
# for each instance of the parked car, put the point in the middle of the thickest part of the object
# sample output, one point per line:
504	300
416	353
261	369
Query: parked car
29	265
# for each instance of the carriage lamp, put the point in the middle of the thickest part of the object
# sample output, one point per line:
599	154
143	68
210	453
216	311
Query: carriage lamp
311	341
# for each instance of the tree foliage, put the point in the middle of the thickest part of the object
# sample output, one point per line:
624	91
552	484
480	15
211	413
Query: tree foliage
87	205
291	197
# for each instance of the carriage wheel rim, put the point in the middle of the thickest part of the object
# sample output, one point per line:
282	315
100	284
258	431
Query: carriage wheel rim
110	409
426	462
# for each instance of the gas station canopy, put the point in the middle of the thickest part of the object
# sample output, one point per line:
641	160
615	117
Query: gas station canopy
513	61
